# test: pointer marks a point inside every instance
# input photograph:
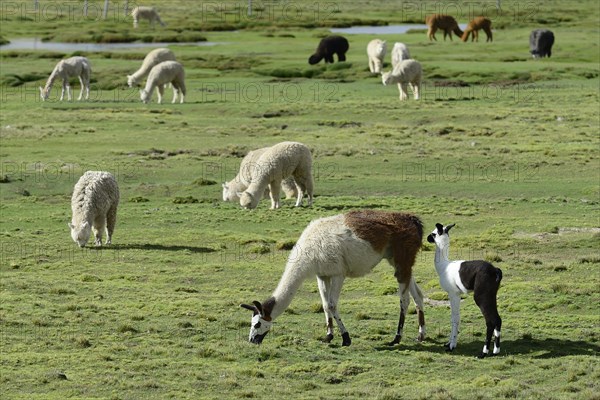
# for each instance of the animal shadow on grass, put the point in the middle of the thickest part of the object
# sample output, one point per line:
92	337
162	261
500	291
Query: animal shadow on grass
152	246
539	348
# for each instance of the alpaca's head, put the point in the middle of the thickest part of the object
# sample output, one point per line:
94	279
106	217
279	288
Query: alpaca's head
314	59
229	192
440	236
261	323
386	78
145	96
248	201
131	82
80	233
44	93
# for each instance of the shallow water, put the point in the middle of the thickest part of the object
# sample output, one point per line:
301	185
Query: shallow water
38	44
383	30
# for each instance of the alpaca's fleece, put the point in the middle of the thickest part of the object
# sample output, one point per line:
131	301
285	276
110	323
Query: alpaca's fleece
148	13
540	43
153	58
329	46
399	53
405	73
166	72
277	163
75	66
94	206
240	183
376	50
444	22
474	26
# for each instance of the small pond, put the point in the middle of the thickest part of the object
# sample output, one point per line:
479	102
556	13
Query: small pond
38	44
383	30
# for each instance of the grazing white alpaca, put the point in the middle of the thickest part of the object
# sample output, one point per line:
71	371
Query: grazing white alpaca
65	69
153	58
376	50
240	183
399	53
94	205
277	163
341	246
458	277
166	72
408	72
148	13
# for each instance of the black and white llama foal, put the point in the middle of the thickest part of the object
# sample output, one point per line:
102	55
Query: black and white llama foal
457	277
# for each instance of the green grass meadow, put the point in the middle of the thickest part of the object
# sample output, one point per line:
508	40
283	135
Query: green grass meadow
504	146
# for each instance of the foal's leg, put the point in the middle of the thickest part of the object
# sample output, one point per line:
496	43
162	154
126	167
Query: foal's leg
455	321
404	301
417	295
324	289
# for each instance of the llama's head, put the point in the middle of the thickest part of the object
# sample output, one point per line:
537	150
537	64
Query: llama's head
80	233
44	93
145	96
261	323
439	236
386	78
314	59
229	192
248	201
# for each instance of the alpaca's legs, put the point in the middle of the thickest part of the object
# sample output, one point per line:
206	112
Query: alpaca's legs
493	322
404	293
341	57
81	91
431	32
475	35
175	93
416	87
111	219
330	288
160	90
98	228
275	188
135	22
62	91
403	87
371	66
455	321
417	295
323	291
488	33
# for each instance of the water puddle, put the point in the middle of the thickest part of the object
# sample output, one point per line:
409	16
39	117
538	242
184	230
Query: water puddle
38	44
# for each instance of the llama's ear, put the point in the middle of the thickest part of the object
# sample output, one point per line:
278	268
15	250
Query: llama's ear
440	228
258	306
447	229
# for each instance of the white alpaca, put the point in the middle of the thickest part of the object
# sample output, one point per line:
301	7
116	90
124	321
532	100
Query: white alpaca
277	163
166	72
94	205
346	245
376	50
408	72
65	69
242	180
399	53
149	13
153	58
458	277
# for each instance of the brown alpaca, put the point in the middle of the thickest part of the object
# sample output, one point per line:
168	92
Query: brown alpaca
474	26
443	22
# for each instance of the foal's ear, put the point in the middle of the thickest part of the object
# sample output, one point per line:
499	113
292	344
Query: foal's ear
447	229
249	307
440	228
258	306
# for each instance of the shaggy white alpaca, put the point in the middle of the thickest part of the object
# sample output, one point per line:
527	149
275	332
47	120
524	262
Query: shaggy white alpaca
240	183
277	163
341	246
405	73
94	205
376	50
399	52
166	72
153	58
65	69
148	13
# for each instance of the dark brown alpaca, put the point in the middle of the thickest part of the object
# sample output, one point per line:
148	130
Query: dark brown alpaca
473	29
443	22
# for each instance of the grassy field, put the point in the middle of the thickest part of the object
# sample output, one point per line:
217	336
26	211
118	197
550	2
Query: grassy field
502	145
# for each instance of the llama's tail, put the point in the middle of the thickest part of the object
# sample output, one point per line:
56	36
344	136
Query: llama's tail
458	32
498	275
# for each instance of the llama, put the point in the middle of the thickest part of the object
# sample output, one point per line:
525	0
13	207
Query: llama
149	13
244	177
458	277
341	246
65	69
474	26
540	43
277	163
443	22
399	53
94	206
166	72
407	72
153	58
329	46
376	52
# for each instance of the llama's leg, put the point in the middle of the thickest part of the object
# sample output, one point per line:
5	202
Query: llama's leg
175	93
404	293
275	188
417	296
98	228
487	304
488	33
371	66
81	91
160	90
323	283
431	33
454	320
403	87
62	91
330	289
341	56
111	220
475	35
416	86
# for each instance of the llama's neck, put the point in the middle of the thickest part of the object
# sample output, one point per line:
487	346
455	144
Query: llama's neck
441	256
290	282
51	79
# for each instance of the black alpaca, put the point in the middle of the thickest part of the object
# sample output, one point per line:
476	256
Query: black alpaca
328	47
540	43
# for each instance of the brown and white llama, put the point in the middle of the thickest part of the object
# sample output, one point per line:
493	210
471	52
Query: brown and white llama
474	26
458	277
341	246
444	22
